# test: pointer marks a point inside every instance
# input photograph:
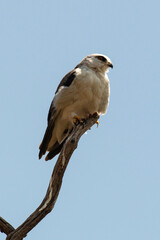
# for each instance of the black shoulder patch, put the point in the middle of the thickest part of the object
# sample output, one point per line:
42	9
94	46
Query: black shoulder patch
67	80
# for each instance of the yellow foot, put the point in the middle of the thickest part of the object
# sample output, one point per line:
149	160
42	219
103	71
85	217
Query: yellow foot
97	122
77	120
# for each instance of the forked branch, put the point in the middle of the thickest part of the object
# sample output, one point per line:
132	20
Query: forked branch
54	185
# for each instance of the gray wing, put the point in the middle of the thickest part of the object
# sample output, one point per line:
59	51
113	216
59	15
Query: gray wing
47	136
52	115
65	82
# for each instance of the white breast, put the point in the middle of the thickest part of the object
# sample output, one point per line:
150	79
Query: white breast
93	90
88	93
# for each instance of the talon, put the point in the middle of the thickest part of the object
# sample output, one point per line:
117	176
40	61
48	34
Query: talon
95	115
97	122
77	120
83	121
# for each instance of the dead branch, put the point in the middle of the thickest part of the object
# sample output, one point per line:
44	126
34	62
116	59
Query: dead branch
54	185
5	227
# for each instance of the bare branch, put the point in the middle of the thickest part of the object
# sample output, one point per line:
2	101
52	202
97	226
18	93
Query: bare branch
54	185
5	227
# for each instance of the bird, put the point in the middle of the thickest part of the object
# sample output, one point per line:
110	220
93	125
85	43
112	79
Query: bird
83	92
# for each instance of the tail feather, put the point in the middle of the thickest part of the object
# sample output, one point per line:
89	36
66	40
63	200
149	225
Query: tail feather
54	150
46	139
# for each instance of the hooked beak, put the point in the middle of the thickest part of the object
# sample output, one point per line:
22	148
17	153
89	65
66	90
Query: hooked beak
110	65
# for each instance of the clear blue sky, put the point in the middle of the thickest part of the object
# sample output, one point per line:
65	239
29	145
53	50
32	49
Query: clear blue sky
111	189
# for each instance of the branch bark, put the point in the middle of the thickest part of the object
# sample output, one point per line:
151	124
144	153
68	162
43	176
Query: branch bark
5	227
54	185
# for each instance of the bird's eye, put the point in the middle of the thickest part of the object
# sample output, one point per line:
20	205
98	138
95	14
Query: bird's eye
101	58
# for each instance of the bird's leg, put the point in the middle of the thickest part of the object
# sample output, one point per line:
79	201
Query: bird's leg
77	120
94	115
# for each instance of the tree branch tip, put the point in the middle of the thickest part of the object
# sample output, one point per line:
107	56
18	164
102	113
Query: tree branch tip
52	193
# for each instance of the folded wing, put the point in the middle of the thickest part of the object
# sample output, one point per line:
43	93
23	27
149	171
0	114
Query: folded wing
52	117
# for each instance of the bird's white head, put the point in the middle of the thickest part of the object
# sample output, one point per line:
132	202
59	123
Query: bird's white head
98	62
